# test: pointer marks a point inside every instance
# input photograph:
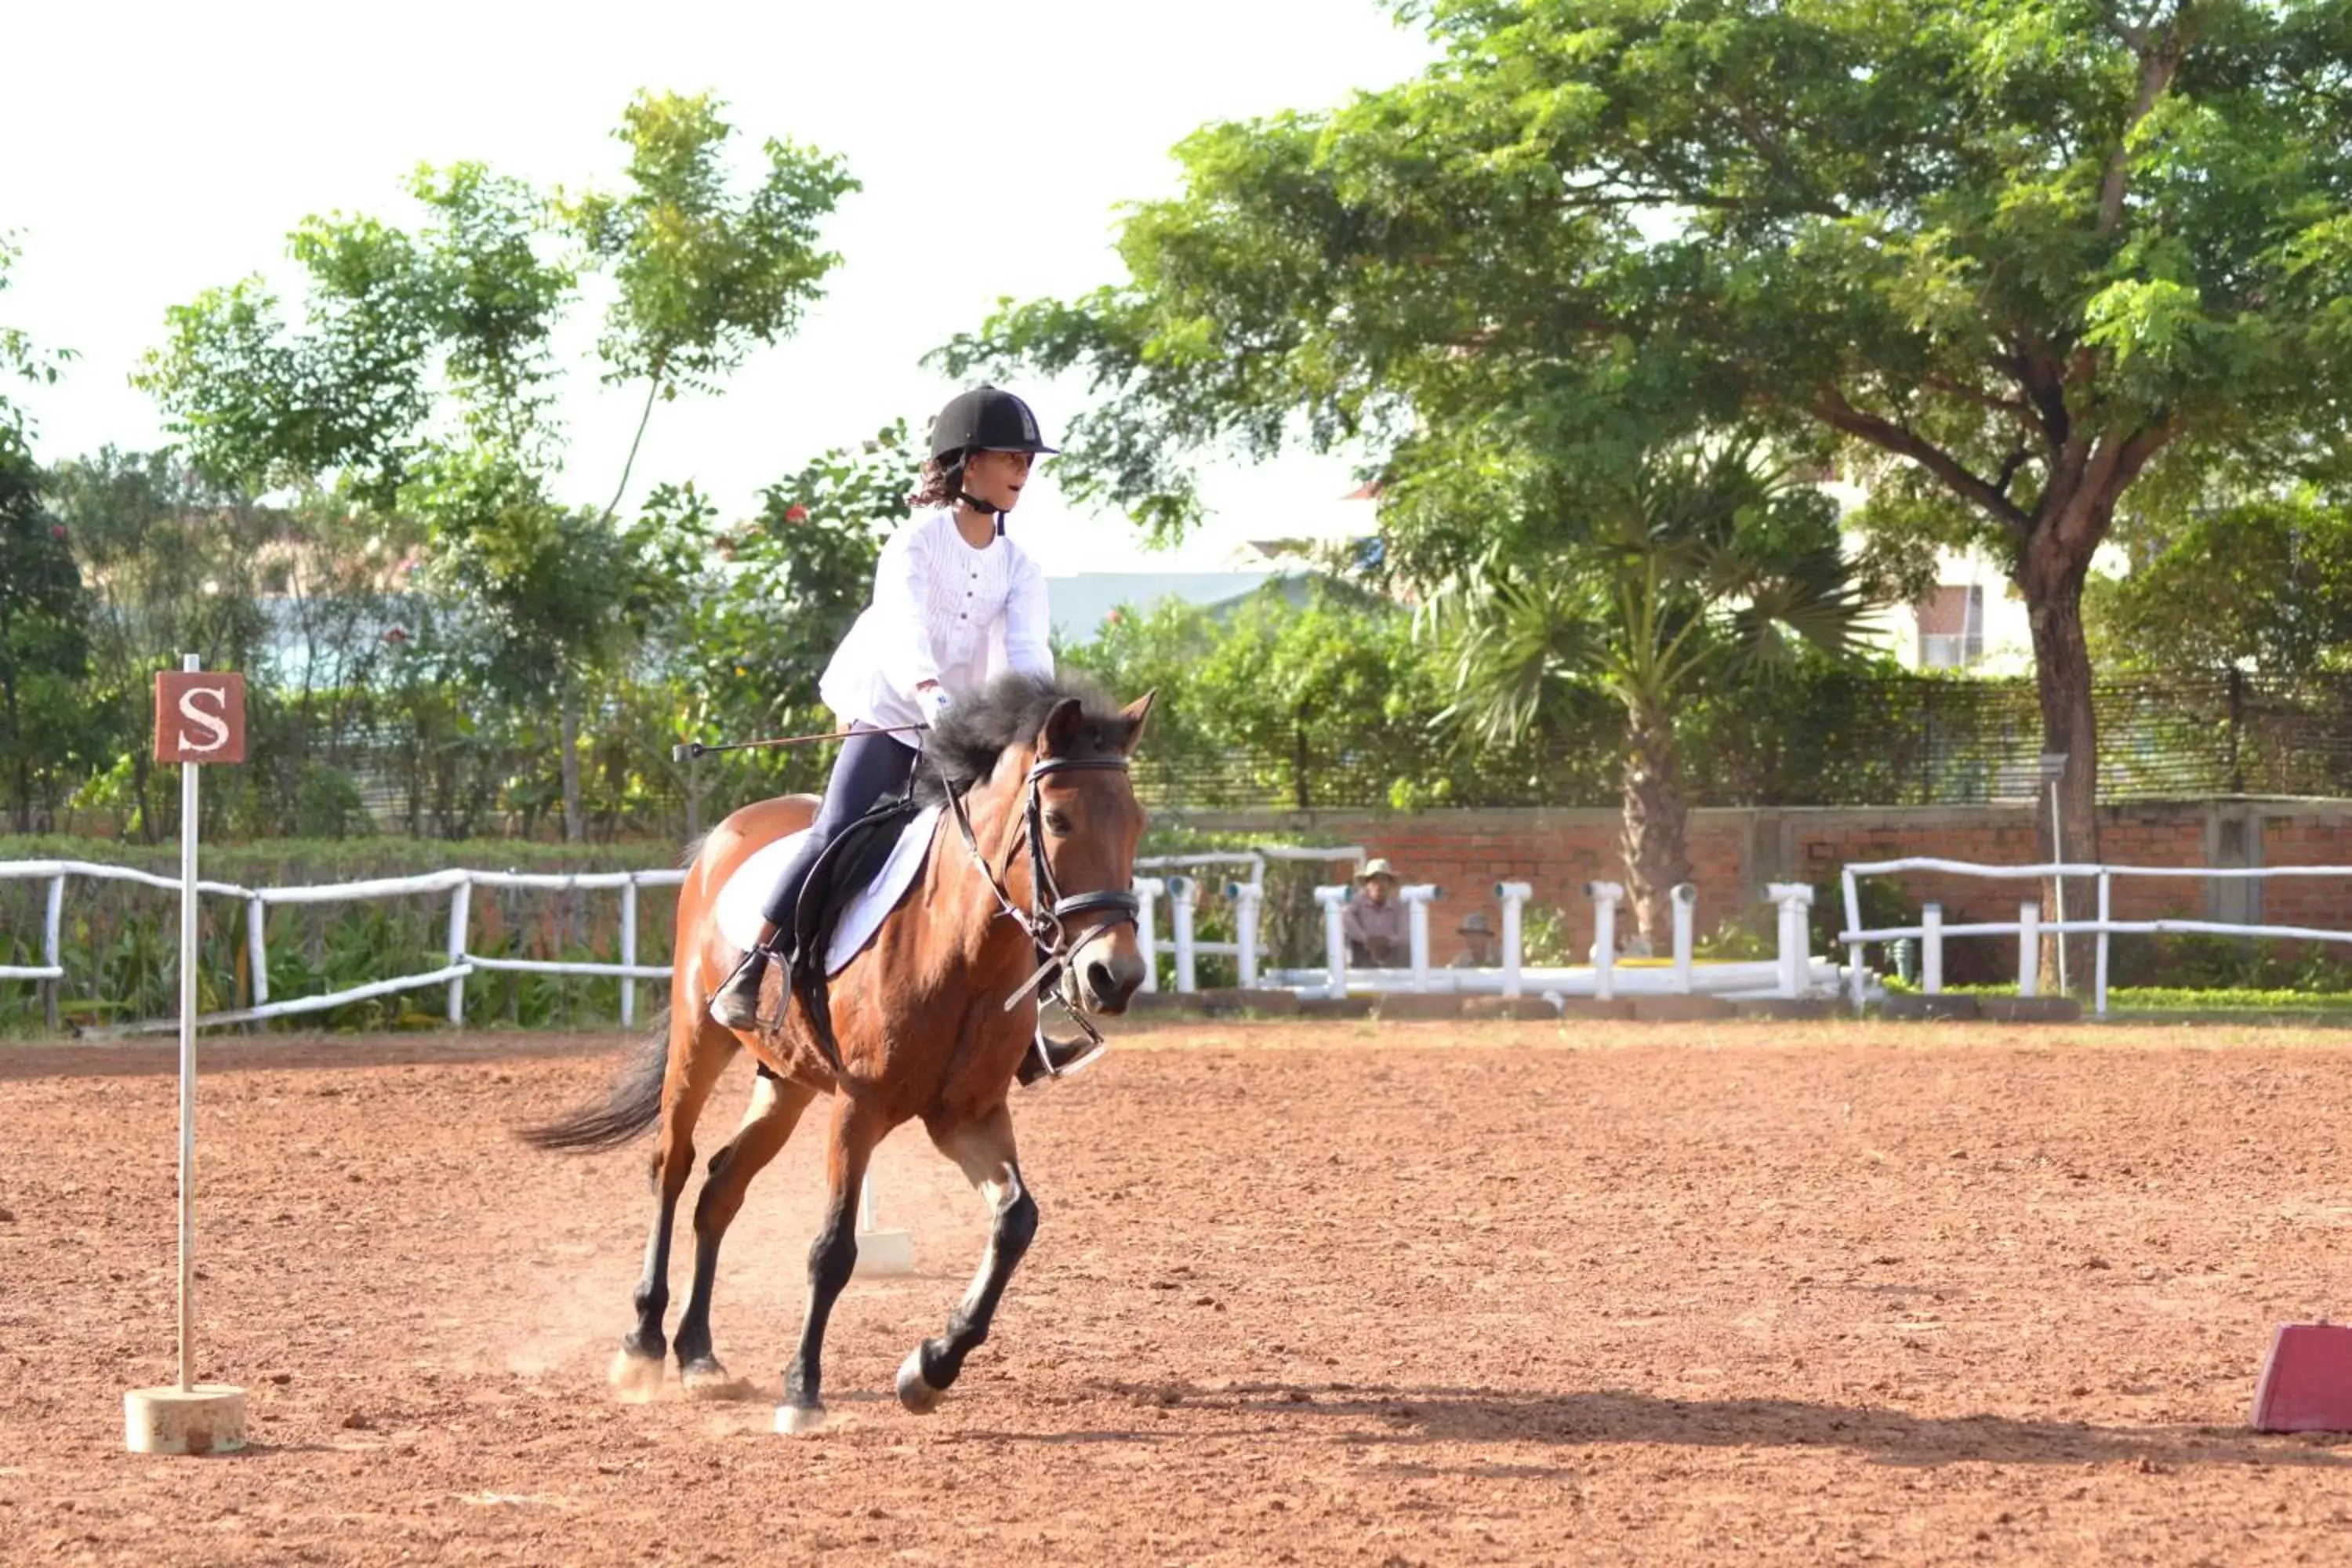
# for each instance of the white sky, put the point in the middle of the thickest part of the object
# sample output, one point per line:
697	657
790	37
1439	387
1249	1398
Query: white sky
158	148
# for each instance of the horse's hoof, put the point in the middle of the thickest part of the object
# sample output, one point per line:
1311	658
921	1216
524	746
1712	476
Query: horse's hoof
797	1420
635	1378
915	1390
705	1378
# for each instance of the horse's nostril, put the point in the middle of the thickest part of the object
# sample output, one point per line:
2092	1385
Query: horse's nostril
1098	978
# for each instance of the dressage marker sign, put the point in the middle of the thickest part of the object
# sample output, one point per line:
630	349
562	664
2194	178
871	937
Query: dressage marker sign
199	718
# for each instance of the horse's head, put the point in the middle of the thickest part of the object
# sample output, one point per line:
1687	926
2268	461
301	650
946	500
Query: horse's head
1088	824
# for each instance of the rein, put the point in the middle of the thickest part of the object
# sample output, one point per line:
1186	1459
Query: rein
1048	906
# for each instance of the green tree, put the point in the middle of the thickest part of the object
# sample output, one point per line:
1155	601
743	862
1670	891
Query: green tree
44	727
173	564
756	635
21	360
421	377
1701	570
704	275
2258	586
2018	251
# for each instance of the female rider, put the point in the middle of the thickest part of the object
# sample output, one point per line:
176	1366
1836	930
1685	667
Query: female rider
955	602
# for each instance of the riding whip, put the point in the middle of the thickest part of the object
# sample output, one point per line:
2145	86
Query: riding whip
687	750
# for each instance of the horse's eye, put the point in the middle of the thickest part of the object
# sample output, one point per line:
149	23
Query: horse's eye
1056	823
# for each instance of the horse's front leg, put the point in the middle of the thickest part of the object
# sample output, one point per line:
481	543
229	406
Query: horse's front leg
985	1151
832	1257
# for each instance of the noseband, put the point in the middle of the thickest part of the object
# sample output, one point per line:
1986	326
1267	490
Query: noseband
1049	907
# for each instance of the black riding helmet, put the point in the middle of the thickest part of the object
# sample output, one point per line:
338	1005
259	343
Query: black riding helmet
985	419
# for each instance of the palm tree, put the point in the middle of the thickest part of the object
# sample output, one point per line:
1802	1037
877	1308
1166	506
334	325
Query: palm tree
1704	566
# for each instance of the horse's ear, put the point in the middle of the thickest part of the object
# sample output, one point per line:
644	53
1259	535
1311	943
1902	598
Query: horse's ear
1061	728
1135	713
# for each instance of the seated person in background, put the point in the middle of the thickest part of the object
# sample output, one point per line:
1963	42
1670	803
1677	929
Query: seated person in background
1479	948
1374	922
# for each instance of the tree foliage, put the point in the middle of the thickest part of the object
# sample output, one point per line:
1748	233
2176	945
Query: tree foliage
421	376
1703	569
2257	586
21	360
2016	252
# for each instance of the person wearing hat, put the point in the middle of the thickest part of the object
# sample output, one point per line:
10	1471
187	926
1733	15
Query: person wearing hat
1374	922
955	603
1477	943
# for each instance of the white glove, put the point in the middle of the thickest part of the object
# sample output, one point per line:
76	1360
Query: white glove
934	701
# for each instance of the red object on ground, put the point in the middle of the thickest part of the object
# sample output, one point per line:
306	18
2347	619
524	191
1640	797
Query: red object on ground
2306	1383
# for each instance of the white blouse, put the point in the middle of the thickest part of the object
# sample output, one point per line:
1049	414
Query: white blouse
942	611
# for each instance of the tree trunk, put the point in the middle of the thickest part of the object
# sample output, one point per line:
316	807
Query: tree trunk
2052	586
1657	823
139	770
575	827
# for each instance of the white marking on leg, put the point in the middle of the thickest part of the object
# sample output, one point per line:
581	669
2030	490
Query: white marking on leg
764	1095
1002	1193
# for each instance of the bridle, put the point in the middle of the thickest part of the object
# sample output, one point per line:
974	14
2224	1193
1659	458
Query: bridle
1049	907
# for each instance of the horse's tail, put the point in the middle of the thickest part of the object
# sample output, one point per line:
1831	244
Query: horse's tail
631	1108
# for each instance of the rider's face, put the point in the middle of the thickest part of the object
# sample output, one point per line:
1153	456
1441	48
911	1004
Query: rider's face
997	477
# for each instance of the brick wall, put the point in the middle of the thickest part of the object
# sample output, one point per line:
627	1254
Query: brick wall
1733	853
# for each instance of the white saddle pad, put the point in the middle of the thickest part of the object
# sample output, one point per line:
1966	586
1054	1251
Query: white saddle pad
739	901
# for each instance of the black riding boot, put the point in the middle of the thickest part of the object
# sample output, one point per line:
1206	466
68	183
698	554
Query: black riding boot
1051	1058
736	1004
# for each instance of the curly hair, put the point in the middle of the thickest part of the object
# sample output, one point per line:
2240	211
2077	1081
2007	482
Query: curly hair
938	484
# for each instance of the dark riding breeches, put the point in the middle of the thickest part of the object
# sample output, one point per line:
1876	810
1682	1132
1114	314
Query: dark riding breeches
872	766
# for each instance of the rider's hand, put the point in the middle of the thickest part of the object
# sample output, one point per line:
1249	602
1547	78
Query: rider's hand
934	701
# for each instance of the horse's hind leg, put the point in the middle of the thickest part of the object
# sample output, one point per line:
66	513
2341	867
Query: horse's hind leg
775	1109
832	1257
985	1151
698	1053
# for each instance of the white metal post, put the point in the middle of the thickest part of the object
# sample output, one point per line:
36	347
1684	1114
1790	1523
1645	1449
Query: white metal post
1686	898
1604	896
1791	900
1335	939
629	951
880	1252
257	947
1931	948
1853	923
191	823
2058	888
1147	930
1514	897
1180	892
2028	950
461	909
2099	981
1416	899
1247	897
53	949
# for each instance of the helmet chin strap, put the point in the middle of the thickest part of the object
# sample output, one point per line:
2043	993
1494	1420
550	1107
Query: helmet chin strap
966	497
973	501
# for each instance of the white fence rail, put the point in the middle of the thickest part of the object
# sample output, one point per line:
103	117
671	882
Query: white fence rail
1794	972
2029	927
459	883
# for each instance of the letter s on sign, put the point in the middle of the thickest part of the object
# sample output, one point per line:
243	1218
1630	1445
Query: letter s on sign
215	723
199	716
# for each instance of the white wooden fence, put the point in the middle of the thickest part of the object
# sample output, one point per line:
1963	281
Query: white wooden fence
2029	927
460	884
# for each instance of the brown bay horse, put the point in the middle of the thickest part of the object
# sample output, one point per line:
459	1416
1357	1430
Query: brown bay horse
919	1015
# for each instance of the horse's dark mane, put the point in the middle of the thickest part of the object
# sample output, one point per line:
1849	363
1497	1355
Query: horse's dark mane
1010	713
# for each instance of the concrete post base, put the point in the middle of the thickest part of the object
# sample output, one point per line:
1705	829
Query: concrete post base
206	1419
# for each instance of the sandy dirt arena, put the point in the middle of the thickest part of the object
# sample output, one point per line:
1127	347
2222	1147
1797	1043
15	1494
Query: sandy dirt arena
1347	1293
